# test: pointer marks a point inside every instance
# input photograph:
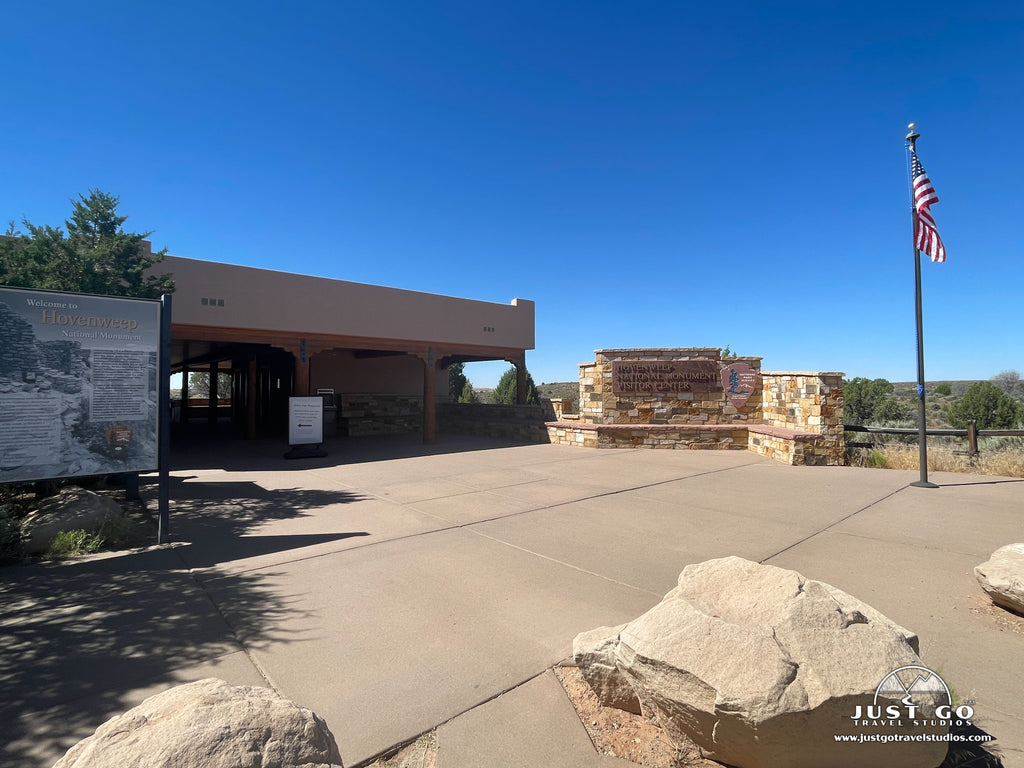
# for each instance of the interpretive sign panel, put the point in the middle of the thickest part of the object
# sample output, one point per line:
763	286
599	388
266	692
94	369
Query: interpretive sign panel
78	384
305	420
664	377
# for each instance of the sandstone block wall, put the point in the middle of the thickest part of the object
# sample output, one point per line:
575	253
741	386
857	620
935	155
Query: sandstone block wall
372	414
809	402
521	423
793	417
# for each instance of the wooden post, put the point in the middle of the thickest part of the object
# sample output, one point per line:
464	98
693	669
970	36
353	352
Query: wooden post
519	361
301	369
429	399
184	391
972	438
214	396
250	400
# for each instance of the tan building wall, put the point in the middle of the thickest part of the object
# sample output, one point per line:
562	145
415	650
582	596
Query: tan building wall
246	297
342	371
388	348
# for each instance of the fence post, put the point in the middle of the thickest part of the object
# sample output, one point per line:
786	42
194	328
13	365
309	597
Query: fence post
972	438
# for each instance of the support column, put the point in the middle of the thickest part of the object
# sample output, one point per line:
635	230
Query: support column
184	391
429	398
250	401
213	397
519	361
301	369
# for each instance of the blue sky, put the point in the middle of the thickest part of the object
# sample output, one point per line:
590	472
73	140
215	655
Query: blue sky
650	173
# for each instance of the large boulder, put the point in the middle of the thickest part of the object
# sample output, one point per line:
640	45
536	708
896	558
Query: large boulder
73	508
209	724
1002	577
761	668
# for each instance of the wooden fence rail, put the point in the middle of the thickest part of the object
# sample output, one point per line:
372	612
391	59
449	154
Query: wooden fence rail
972	433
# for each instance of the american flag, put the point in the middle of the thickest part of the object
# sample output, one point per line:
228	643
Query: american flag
926	236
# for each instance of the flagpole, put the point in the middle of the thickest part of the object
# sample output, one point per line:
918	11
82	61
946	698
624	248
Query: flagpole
922	437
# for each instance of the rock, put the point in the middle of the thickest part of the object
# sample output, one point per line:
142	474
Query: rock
761	667
72	509
594	654
209	724
1002	577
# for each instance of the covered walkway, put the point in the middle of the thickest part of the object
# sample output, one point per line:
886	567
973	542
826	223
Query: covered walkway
279	334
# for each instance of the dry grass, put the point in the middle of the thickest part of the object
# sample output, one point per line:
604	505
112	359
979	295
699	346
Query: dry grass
1005	463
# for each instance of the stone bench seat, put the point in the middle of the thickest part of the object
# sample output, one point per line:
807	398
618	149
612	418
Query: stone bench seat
782	432
780	443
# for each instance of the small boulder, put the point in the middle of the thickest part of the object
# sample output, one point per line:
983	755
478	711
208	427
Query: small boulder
209	724
71	509
1002	577
761	667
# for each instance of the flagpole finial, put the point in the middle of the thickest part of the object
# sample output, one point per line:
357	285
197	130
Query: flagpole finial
912	134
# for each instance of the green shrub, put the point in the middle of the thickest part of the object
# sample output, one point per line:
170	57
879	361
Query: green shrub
72	543
861	398
876	460
943	389
111	533
988	405
10	534
889	409
114	531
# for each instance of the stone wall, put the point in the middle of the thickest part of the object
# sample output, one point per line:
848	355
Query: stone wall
675	436
560	407
670	398
521	423
371	414
806	402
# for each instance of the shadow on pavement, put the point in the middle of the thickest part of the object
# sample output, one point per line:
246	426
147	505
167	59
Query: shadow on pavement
77	637
217	519
194	446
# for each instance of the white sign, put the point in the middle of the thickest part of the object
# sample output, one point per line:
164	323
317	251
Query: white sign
305	420
78	384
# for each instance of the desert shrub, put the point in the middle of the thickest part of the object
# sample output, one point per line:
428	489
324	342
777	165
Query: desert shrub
15	503
890	409
875	459
862	397
10	534
988	405
112	532
72	543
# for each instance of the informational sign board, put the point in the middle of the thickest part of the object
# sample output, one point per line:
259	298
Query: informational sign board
78	384
305	420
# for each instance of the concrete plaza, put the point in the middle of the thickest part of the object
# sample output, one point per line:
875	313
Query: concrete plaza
395	588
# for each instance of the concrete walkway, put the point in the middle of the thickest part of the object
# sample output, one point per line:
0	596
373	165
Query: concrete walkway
396	588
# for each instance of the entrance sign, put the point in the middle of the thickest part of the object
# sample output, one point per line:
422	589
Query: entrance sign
79	378
663	377
305	420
